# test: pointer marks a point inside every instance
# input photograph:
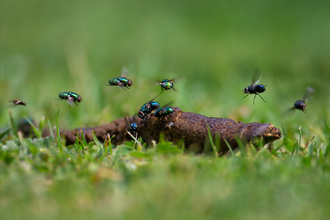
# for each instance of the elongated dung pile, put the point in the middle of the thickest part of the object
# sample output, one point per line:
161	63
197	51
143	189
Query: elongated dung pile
186	126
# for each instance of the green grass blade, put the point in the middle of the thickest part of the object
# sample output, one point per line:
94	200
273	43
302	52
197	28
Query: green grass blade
299	142
13	125
240	144
211	141
83	139
139	146
41	124
59	144
101	153
228	145
97	142
3	133
110	145
36	131
50	128
310	149
106	146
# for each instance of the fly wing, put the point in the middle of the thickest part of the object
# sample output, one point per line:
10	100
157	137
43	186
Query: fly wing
256	82
154	81
14	101
124	72
308	94
288	111
256	78
11	106
168	104
173	80
70	101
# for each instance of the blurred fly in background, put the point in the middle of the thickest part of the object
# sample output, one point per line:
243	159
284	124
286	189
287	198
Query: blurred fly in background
17	102
301	104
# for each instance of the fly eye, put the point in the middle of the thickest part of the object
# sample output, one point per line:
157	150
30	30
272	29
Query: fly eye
141	115
79	99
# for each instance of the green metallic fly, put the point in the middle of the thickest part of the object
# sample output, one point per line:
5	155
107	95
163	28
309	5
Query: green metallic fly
121	81
163	111
71	97
167	84
148	108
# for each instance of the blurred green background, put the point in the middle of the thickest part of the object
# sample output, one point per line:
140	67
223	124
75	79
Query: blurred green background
47	47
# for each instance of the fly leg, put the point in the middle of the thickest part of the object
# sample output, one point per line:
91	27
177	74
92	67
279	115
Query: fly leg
161	91
246	95
122	86
260	97
254	98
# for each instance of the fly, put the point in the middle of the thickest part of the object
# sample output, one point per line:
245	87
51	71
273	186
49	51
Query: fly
301	104
148	108
17	102
70	97
163	111
121	81
255	88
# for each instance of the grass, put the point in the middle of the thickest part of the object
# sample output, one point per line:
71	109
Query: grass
47	47
90	181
